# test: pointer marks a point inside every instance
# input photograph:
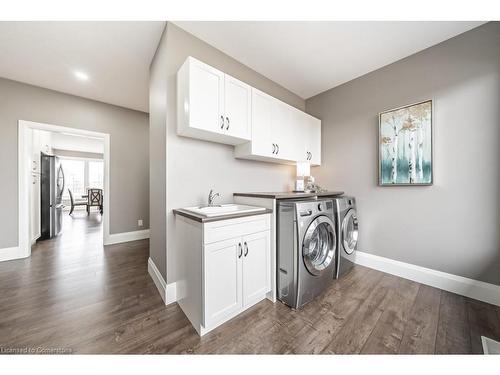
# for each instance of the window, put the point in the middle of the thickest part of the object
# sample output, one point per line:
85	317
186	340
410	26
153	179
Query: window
74	175
96	170
81	174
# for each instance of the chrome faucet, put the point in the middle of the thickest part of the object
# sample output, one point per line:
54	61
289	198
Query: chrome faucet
211	197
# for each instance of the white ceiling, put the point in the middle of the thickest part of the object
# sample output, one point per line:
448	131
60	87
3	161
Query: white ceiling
115	56
305	57
308	58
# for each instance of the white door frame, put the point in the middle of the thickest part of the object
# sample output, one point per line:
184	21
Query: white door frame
24	171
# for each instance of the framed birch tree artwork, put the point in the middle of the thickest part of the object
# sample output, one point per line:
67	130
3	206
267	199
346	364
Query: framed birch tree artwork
405	145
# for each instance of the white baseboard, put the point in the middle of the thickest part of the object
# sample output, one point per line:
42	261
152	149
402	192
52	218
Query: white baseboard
168	292
126	237
158	279
474	289
171	293
33	240
490	346
11	253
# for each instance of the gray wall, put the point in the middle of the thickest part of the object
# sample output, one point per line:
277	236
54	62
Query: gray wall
157	156
194	166
129	156
454	225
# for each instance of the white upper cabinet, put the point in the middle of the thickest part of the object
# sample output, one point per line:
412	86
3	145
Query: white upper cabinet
310	135
237	103
281	133
284	129
212	105
314	143
268	121
263	137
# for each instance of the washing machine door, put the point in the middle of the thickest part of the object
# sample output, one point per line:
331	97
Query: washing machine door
350	231
319	245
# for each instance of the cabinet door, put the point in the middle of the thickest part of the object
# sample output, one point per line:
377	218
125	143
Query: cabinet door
262	117
256	267
302	134
310	139
284	131
314	140
222	280
206	97
237	104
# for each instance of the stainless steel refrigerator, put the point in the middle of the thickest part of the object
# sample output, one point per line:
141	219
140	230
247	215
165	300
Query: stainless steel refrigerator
51	189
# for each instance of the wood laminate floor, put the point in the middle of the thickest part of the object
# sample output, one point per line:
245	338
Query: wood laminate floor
75	296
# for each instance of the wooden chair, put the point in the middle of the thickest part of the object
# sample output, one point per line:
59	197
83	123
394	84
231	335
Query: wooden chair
75	203
94	199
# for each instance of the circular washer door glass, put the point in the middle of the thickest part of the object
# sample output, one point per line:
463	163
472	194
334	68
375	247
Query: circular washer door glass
318	249
350	231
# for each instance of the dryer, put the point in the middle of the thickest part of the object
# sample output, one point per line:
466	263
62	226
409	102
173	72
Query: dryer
307	243
347	229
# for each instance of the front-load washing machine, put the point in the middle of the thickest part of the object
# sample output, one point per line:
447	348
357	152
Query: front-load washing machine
306	253
347	229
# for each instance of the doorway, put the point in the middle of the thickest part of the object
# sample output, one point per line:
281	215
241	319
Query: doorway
29	176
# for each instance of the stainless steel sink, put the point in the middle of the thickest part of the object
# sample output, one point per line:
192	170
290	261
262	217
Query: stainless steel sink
223	209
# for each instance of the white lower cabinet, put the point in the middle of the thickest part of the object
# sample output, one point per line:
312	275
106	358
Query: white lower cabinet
237	275
256	267
223	280
234	259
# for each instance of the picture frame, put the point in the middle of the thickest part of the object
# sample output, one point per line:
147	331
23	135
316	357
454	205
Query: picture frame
406	145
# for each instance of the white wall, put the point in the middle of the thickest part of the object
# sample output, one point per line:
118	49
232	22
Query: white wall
453	226
194	166
158	157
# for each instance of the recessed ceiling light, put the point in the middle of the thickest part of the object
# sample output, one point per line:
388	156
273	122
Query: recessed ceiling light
81	75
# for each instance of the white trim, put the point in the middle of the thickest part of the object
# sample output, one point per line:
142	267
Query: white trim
171	293
127	236
168	292
475	289
490	346
107	190
9	253
158	279
24	248
33	240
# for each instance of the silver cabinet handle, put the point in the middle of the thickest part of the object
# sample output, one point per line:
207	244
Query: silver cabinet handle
241	250
246	248
310	156
221	122
277	149
274	148
227	120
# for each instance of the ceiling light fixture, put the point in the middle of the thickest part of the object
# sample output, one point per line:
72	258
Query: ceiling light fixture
81	75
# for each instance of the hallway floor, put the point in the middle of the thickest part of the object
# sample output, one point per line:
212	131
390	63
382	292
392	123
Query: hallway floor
75	296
